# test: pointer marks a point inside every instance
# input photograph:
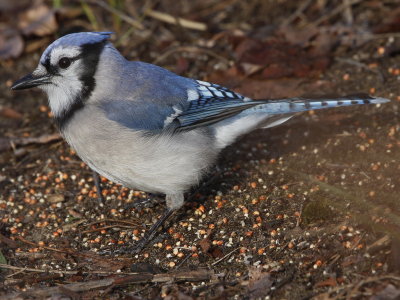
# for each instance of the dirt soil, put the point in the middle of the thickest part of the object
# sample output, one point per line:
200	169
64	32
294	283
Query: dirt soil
306	210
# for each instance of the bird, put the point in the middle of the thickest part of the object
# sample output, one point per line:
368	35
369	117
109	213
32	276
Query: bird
145	127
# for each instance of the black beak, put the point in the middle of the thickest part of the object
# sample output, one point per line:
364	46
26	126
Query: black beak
30	81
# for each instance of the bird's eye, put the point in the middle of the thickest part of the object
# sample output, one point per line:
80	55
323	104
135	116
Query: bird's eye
64	62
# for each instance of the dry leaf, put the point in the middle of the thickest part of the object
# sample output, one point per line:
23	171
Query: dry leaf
327	282
390	292
205	245
259	284
38	19
10	113
7	6
11	43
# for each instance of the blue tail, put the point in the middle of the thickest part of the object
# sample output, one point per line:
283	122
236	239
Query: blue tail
294	105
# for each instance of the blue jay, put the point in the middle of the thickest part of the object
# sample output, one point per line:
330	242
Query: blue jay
145	127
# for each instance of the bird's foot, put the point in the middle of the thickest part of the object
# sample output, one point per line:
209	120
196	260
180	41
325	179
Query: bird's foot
132	250
151	233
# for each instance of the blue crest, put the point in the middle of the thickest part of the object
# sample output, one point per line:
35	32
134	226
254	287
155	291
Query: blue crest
76	39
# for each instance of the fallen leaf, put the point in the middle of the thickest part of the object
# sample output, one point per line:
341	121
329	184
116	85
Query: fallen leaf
327	282
13	6
34	45
259	284
182	65
391	22
39	19
216	252
395	254
9	242
205	245
178	295
250	69
390	292
11	43
298	36
279	58
10	113
96	262
4	144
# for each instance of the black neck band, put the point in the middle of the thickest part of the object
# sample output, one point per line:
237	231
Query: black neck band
90	59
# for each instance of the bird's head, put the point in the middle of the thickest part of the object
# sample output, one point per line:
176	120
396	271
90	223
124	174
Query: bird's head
66	71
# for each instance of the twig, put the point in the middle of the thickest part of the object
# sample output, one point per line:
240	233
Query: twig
107	227
348	13
24	269
8	143
297	13
18	272
44	247
360	65
383	35
43	139
334	12
90	15
120	14
183	261
189	49
226	256
369	280
175	20
182	276
113	220
215	7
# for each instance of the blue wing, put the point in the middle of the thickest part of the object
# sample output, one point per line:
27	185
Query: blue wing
138	115
170	101
213	104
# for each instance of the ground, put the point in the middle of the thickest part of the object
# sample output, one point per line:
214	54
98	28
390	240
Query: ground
305	210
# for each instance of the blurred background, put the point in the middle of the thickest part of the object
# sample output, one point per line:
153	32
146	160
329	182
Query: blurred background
307	210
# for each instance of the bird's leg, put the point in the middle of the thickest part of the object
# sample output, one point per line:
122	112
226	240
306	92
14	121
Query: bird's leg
96	179
174	202
152	231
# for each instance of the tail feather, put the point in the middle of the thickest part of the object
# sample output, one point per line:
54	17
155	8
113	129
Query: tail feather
271	113
293	105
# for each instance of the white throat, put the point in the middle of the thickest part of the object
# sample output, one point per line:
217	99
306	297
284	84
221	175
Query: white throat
63	91
62	97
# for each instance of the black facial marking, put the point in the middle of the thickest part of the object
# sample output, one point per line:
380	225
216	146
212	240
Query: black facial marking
366	101
53	70
90	59
90	55
67	114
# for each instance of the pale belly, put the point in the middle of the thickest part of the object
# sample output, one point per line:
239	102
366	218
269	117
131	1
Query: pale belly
159	163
